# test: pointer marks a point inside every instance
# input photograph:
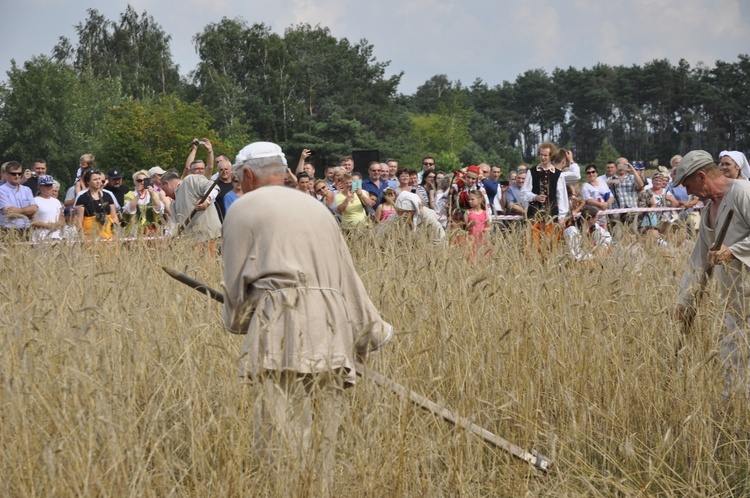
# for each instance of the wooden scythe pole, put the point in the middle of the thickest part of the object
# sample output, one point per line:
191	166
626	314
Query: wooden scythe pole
707	272
539	461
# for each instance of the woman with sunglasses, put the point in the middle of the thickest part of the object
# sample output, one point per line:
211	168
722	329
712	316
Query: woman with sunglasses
95	208
143	209
324	194
594	192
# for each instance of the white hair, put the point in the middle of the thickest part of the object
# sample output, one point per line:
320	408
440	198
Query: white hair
262	167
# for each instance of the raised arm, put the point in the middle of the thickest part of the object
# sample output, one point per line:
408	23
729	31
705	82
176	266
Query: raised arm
210	159
301	164
190	157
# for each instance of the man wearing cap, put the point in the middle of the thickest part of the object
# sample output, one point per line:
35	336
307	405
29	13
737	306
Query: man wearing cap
156	173
17	203
186	194
292	288
115	186
702	177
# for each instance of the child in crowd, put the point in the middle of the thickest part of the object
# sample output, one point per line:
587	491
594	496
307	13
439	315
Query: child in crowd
586	238
477	221
70	230
387	208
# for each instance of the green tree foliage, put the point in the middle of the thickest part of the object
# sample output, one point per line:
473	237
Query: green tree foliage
134	50
606	153
647	112
48	111
303	88
140	134
307	89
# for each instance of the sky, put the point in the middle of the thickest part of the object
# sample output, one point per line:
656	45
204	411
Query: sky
495	40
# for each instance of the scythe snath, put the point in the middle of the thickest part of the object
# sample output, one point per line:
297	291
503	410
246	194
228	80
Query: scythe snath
534	458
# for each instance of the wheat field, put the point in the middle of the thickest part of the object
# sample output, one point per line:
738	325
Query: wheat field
118	381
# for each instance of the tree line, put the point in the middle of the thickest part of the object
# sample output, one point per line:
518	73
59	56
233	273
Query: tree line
116	92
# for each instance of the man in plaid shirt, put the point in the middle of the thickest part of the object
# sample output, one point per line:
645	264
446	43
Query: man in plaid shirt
625	187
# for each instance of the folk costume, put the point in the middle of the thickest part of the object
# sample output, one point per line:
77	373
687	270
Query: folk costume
291	286
146	217
544	215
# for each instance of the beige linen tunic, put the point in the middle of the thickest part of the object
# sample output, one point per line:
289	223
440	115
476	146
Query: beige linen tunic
285	258
205	224
733	277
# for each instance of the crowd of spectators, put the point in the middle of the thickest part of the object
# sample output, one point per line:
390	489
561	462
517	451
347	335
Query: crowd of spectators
552	196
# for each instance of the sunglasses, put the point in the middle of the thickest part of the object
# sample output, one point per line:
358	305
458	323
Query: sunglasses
15	173
140	180
591	172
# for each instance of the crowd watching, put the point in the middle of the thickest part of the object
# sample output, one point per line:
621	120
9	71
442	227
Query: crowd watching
553	197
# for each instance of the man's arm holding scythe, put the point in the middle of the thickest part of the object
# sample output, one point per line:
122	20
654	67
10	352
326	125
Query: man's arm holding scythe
534	458
201	205
688	302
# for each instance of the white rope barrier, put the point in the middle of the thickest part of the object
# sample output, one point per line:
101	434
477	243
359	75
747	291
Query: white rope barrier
504	217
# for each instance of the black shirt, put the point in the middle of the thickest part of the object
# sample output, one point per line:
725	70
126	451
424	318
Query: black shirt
224	189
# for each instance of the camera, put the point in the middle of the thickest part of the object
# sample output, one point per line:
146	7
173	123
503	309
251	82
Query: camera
147	183
311	152
504	183
196	143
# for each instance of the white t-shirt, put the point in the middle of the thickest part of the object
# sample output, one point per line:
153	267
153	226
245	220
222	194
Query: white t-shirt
600	193
49	212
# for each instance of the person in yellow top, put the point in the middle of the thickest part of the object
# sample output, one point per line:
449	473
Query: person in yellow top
143	208
96	207
351	203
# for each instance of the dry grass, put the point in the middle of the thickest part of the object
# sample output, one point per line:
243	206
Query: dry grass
118	381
